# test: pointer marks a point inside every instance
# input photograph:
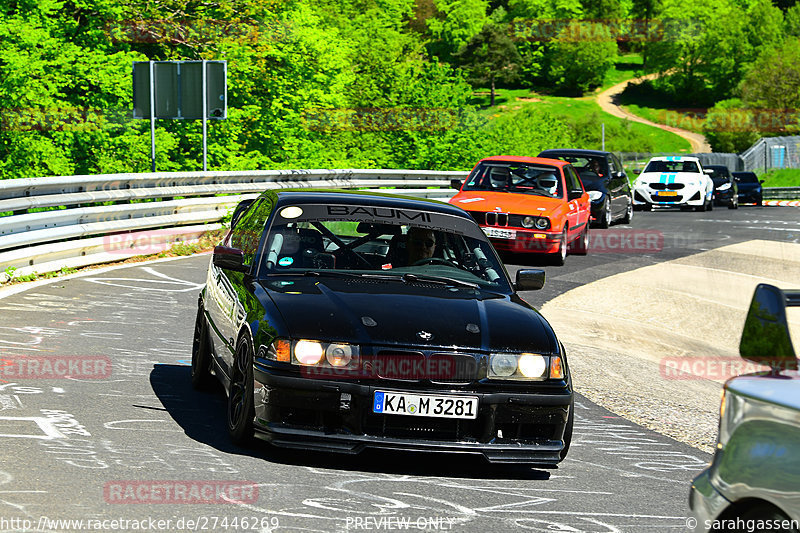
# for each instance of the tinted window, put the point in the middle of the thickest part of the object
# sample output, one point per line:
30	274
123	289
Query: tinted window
672	166
367	241
746	177
502	176
247	232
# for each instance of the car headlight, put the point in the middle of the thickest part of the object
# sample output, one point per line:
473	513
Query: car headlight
307	352
524	366
536	222
532	365
595	195
502	365
724	187
339	354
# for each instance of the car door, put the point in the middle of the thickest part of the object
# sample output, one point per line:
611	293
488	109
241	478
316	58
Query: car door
225	289
577	202
619	202
625	185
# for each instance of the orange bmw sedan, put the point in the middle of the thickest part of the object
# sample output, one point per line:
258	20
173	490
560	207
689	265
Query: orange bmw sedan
528	204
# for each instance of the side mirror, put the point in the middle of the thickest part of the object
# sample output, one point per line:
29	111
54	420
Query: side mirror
708	171
455	184
761	181
229	258
765	337
574	195
637	171
529	280
619	174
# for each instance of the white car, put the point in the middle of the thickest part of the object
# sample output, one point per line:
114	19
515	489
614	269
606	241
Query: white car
673	181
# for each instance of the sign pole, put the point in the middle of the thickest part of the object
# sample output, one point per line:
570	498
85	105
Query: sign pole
205	118
152	117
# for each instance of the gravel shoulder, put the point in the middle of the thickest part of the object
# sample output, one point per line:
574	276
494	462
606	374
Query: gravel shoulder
656	344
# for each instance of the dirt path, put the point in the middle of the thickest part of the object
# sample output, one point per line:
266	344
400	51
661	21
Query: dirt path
609	102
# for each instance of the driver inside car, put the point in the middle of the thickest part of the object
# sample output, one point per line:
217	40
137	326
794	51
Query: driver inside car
421	244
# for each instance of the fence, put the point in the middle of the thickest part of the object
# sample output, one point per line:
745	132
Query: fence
768	153
96	219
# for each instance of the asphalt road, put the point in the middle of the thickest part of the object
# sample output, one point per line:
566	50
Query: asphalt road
131	441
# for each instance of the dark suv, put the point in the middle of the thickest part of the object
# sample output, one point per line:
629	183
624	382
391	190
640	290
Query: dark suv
604	179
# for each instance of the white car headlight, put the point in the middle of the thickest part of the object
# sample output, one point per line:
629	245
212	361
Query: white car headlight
308	353
523	366
724	187
595	195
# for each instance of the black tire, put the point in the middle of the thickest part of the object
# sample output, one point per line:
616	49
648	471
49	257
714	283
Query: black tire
647	207
580	246
202	379
764	514
710	205
628	214
702	208
559	258
604	220
734	204
241	411
568	430
760	202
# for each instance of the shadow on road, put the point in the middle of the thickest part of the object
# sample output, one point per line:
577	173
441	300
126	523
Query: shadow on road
202	417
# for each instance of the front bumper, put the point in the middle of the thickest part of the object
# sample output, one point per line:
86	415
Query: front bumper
753	196
528	241
723	197
705	502
687	196
336	416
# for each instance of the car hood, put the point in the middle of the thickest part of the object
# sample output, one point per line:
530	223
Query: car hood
394	313
671	177
506	202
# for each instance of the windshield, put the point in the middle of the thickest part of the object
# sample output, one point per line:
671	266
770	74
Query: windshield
672	166
589	168
719	175
361	241
746	177
503	176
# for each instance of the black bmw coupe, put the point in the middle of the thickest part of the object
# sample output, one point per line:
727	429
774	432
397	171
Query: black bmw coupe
340	321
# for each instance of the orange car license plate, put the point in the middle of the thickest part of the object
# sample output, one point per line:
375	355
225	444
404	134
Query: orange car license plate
667	193
499	233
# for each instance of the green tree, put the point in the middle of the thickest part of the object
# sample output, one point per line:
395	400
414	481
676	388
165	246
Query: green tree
730	126
773	80
456	22
580	57
490	57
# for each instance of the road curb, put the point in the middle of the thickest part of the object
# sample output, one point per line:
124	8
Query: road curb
783	203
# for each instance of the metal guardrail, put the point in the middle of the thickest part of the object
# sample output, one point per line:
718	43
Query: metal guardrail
781	193
144	218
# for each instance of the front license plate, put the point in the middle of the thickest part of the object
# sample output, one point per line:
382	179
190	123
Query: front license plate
404	403
498	233
667	193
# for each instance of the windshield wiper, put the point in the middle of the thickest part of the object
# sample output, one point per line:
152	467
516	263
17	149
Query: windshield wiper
440	279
